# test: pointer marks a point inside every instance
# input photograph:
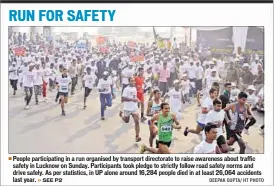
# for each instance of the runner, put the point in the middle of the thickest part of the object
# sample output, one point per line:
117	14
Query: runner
63	83
238	113
217	116
38	82
175	99
28	80
13	76
166	121
139	81
207	105
106	93
61	68
130	102
89	81
154	106
208	145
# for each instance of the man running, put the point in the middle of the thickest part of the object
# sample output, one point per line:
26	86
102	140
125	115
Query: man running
207	105
13	76
208	145
238	112
139	81
106	93
130	102
175	99
217	116
89	81
166	121
154	106
63	83
38	82
28	80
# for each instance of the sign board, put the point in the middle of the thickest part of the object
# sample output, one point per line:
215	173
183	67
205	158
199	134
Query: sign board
255	40
220	41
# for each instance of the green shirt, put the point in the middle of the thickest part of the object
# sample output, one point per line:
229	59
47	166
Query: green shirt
164	124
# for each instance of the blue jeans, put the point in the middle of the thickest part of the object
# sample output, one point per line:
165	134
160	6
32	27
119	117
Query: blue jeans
105	100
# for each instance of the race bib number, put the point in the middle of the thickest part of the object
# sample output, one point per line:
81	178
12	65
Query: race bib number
241	116
64	88
166	128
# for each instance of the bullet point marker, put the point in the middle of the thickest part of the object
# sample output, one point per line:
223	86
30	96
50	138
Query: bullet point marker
10	158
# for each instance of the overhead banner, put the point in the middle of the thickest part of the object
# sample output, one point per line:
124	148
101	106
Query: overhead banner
219	41
255	40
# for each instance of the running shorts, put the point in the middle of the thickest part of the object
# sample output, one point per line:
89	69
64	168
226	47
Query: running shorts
221	140
128	113
236	134
141	97
201	125
163	143
65	94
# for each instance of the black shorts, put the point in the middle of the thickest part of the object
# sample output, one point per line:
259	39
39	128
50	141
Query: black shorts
221	140
87	91
163	143
236	134
65	94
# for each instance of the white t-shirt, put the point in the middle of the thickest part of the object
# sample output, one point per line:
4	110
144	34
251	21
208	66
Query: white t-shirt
185	86
175	100
105	85
191	71
13	75
234	94
254	68
63	83
205	148
208	104
38	79
214	117
131	93
89	80
28	79
199	72
46	74
252	99
210	80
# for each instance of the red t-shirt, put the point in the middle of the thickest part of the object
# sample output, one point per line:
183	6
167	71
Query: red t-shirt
139	81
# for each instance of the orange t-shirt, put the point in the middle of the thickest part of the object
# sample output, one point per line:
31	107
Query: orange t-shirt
139	81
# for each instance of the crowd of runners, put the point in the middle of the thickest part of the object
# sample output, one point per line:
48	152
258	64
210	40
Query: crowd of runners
227	88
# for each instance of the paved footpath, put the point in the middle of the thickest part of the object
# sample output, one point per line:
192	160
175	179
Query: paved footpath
42	129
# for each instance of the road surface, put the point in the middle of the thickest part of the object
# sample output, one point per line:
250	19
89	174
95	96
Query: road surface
42	129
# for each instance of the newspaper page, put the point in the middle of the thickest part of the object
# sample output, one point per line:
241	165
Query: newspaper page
89	97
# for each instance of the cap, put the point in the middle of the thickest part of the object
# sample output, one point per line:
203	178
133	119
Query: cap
214	70
245	65
251	87
184	75
176	81
233	84
14	63
105	73
31	64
